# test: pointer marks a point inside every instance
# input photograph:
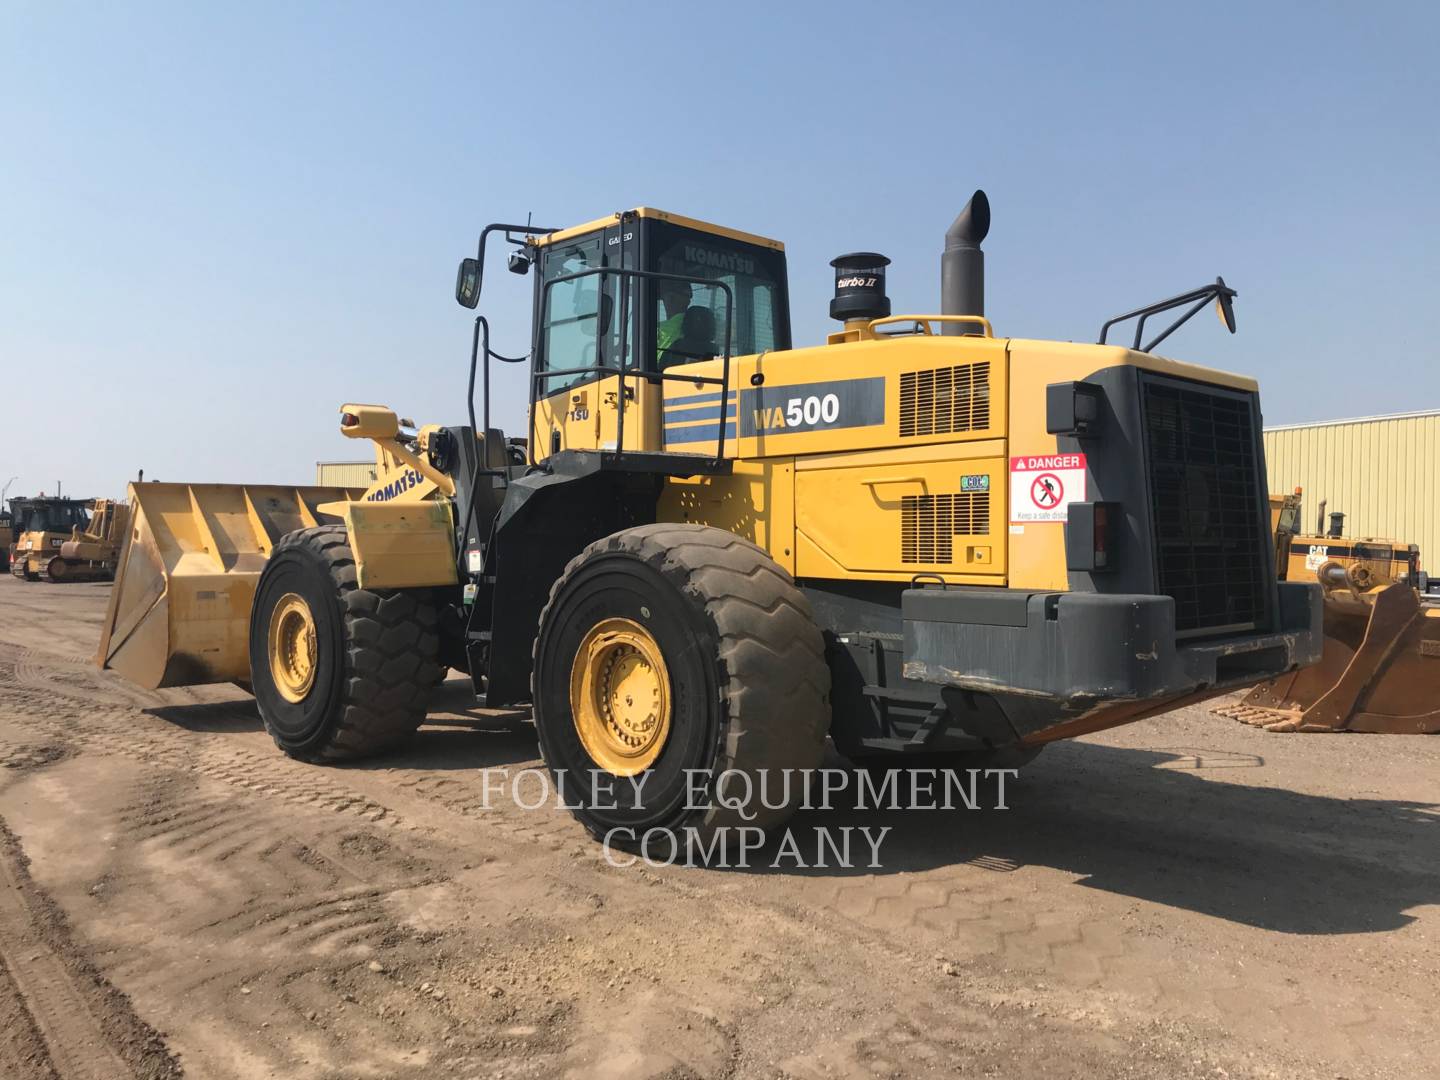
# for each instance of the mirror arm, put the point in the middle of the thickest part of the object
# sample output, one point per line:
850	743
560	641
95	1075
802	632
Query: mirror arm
509	231
1200	297
1181	321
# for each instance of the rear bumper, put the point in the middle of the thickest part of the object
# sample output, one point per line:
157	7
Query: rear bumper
1081	649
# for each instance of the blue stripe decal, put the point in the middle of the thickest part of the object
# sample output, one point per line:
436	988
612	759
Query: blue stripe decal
695	399
711	412
700	433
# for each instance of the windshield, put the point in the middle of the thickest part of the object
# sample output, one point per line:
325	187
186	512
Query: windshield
54	517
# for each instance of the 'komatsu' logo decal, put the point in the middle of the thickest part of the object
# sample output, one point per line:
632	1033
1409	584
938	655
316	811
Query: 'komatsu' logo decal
719	260
402	483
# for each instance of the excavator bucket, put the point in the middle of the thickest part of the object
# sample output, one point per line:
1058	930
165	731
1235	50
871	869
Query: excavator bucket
1380	671
185	581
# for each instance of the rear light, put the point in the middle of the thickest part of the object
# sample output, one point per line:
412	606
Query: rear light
1092	535
348	419
1102	535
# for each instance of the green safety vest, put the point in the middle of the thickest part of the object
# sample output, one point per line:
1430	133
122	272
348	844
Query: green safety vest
667	334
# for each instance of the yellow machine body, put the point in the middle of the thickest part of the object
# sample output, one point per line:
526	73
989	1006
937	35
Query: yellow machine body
928	463
34	549
866	502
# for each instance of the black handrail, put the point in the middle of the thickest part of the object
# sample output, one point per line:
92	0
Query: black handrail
538	377
1202	296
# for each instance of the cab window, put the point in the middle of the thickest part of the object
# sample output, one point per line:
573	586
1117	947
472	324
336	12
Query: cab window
690	319
569	338
582	317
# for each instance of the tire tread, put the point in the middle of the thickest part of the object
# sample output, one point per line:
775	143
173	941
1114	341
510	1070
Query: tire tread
772	671
390	651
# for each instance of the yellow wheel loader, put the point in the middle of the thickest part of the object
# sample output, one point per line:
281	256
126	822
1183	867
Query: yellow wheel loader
42	525
712	549
1380	666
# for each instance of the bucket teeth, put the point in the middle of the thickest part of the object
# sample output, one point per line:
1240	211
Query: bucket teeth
1258	716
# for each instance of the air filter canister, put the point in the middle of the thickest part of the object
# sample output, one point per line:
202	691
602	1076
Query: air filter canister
860	287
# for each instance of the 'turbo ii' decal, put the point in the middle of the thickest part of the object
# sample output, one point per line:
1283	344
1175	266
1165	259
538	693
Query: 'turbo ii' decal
820	406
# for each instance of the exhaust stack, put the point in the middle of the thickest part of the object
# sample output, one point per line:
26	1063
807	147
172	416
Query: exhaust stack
962	266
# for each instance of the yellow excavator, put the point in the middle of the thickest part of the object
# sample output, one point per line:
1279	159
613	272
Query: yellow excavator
713	548
1380	667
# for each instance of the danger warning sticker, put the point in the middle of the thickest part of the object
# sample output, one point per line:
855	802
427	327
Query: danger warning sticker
1042	487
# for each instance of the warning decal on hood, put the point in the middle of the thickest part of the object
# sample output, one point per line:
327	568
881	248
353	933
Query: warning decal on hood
1043	486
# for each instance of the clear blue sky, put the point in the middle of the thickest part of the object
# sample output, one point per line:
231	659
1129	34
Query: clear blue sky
221	221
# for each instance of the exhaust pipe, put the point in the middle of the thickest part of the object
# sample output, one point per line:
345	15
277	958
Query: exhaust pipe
962	266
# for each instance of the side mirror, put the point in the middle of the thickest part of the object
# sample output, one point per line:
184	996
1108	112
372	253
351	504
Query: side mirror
1225	305
467	283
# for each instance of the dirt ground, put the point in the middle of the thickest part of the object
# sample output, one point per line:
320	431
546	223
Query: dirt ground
1182	897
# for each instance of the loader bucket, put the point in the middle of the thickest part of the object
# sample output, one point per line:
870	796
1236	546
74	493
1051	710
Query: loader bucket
1379	672
180	606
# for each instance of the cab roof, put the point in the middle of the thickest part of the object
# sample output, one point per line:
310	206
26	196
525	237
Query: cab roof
660	215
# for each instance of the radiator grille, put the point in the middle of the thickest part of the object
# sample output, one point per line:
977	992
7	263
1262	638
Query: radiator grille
930	523
1210	529
945	400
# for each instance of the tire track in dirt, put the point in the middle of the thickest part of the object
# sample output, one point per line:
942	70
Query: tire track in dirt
281	930
88	1027
73	1037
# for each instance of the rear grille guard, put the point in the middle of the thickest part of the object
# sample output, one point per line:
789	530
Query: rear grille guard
1207	507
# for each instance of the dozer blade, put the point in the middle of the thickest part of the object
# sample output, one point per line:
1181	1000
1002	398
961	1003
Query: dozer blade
1377	674
185	581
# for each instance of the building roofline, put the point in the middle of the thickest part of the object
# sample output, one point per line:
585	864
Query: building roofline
1356	420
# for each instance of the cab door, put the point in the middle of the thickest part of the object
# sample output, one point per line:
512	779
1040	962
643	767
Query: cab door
567	344
576	406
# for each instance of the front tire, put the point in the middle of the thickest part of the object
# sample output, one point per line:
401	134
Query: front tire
338	672
667	653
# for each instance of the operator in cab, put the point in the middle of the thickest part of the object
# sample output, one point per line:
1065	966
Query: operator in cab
675	299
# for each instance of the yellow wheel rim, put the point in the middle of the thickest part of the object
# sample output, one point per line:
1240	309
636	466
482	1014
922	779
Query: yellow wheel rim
292	647
620	696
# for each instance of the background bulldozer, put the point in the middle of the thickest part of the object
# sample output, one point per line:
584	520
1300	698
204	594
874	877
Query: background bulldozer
42	524
91	553
712	549
1380	668
63	539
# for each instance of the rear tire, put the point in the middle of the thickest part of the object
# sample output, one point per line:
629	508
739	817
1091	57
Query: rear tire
742	676
338	672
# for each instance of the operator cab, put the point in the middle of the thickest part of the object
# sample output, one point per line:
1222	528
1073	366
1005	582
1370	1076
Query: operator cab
681	287
671	321
52	516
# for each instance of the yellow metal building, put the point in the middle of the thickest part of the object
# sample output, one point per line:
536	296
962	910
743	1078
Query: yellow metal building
1382	472
359	474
